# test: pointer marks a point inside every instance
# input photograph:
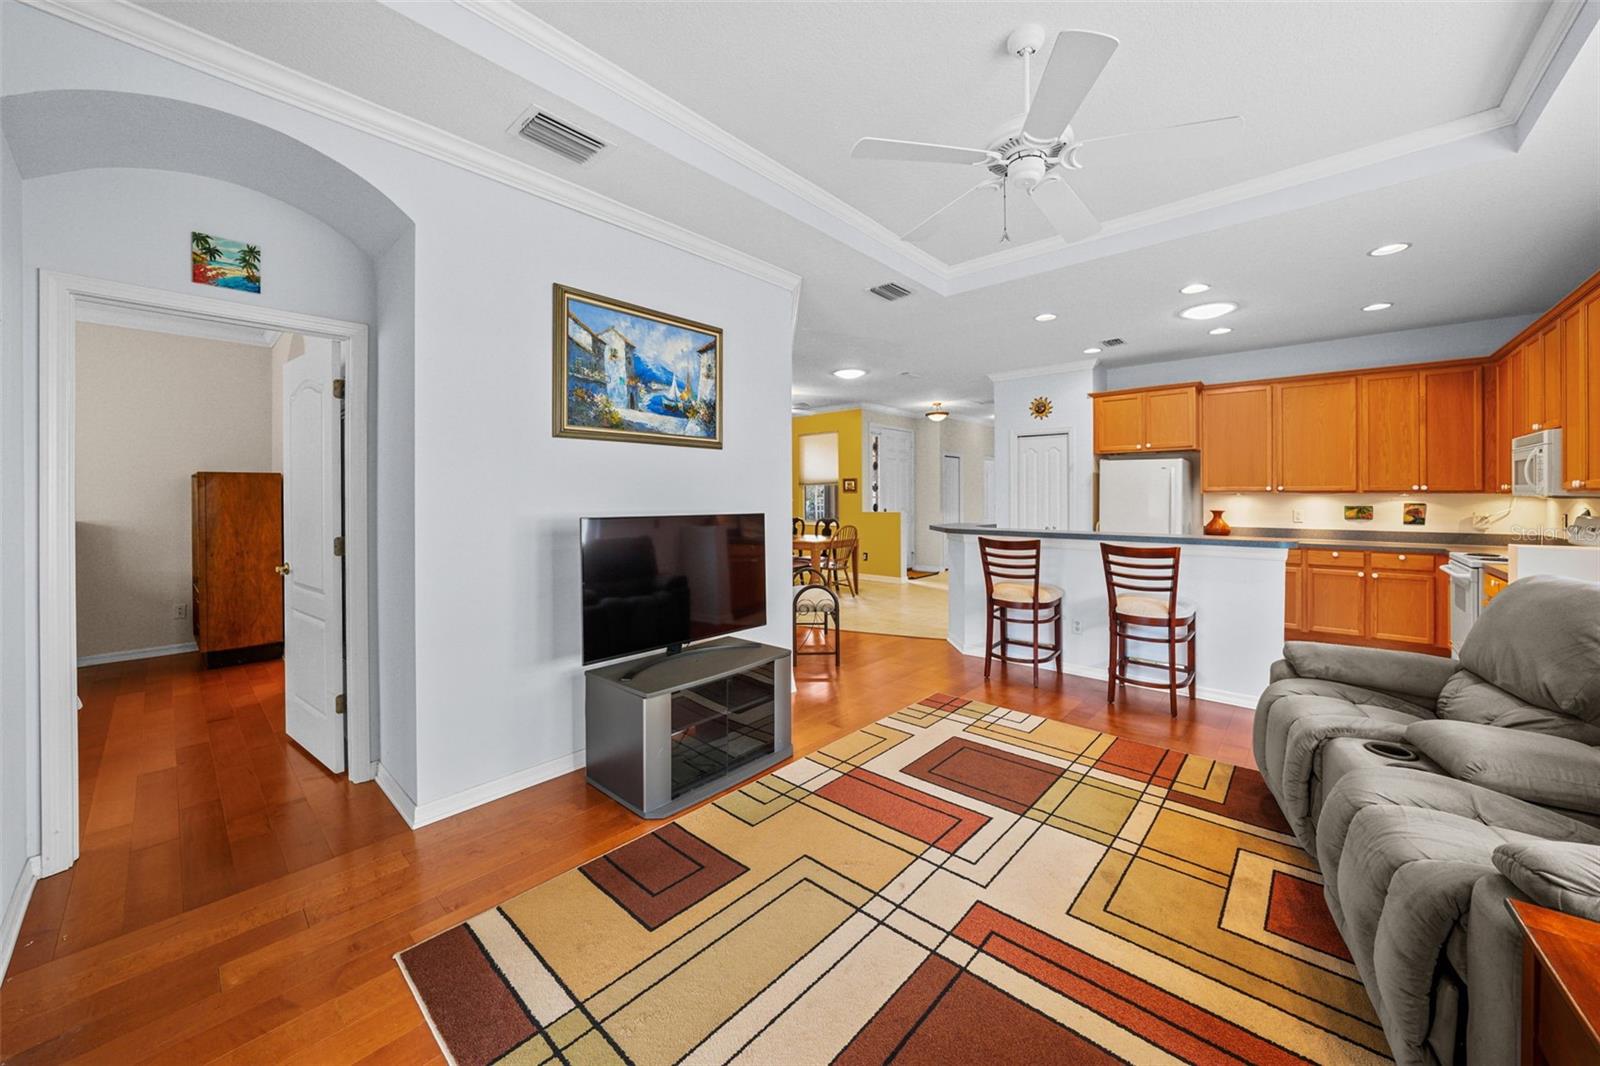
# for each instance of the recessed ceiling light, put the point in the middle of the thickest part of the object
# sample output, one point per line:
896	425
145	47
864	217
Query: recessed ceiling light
1046	317
849	373
1389	249
1091	351
1220	330
1195	287
1201	312
1380	306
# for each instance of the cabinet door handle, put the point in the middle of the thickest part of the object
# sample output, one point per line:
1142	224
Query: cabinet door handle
1336	555
1414	488
1424	488
1374	575
1361	573
1280	488
1402	558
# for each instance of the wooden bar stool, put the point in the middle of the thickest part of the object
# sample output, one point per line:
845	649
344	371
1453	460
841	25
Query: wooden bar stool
1142	593
1011	582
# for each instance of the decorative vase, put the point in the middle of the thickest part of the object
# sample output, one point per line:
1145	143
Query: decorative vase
1217	527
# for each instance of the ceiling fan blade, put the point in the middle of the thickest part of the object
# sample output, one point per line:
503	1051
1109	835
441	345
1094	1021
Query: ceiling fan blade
918	152
1169	145
1075	64
935	222
1069	215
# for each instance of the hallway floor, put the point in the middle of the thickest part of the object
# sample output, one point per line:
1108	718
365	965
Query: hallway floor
236	902
899	608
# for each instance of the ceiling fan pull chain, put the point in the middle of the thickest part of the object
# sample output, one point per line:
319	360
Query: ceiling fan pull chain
1005	211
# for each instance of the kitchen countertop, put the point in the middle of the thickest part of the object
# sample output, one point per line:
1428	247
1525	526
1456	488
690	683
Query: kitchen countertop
980	530
1498	570
1378	544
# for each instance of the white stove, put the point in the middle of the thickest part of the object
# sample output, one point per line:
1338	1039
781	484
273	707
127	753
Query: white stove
1466	592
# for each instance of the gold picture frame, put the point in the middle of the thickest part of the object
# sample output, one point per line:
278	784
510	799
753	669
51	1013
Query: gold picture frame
663	388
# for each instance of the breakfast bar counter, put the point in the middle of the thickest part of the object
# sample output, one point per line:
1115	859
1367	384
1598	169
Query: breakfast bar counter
1235	583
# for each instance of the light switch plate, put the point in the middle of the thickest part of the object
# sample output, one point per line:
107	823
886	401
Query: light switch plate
1297	516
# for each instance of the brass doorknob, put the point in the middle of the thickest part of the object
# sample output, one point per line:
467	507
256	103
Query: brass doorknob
282	569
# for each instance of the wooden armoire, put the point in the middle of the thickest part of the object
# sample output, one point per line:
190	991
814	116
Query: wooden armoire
237	540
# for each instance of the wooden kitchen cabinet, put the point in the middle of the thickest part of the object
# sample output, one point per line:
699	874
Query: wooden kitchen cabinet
1294	579
1498	427
1451	401
1400	597
1574	419
1390	432
1336	600
1551	350
1589	407
1316	425
1118	423
1172	419
1236	439
1160	420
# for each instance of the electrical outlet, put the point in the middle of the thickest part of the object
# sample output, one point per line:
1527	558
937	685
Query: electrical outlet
1077	626
180	610
1297	516
865	556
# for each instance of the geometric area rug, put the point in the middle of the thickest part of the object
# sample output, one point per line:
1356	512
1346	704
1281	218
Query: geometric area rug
955	883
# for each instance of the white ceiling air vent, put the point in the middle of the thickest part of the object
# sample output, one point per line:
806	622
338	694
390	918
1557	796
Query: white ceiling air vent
566	141
1112	342
890	290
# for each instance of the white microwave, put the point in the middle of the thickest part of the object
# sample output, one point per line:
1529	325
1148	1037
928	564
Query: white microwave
1536	464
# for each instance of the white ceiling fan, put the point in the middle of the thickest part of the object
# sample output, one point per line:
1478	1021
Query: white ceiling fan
1034	151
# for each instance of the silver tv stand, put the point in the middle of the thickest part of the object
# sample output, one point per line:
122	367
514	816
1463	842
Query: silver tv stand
664	735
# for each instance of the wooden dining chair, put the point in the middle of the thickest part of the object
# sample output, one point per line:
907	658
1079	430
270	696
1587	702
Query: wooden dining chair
1143	606
1014	594
826	527
799	527
838	558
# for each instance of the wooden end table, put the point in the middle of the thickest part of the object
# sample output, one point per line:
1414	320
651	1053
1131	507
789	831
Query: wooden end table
1560	986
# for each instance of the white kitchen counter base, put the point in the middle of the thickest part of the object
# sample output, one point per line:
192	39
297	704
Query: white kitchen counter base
1235	585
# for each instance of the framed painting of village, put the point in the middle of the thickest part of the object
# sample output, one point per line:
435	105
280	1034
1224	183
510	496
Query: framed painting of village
624	372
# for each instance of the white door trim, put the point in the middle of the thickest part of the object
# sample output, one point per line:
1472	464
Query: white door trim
60	297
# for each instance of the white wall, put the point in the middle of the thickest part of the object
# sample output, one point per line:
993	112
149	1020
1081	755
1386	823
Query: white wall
19	752
152	409
1072	412
1459	340
489	595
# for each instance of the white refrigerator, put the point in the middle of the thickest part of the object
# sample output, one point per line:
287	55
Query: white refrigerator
1148	496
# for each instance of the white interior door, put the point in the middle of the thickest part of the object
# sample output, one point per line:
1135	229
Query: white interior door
950	488
897	481
1041	489
313	599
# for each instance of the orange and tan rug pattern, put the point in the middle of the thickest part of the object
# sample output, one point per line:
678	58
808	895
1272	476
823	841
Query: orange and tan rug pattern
957	882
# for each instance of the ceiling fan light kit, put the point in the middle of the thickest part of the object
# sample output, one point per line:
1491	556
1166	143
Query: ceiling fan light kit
1034	151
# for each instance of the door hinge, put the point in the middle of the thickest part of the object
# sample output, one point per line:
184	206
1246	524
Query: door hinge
338	546
338	704
338	388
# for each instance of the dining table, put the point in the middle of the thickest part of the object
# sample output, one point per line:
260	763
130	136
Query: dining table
814	544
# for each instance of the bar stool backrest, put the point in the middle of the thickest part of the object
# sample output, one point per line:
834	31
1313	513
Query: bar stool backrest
1148	572
827	526
1009	560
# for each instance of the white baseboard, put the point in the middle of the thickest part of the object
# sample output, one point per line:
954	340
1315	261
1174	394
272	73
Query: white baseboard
16	907
137	653
1098	673
397	795
418	815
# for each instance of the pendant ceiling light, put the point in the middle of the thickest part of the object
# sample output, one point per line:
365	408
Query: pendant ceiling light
938	414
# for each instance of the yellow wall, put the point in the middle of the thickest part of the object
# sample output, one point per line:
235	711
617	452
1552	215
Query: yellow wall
880	531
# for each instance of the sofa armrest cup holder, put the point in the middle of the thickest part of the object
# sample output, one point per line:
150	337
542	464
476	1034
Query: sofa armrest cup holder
1389	749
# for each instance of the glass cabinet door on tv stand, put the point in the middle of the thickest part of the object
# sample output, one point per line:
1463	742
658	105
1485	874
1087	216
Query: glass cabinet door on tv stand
662	737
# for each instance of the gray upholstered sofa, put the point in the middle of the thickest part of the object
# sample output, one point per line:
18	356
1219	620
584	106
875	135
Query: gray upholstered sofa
1431	790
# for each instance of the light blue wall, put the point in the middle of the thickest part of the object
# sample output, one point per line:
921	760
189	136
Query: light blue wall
1458	340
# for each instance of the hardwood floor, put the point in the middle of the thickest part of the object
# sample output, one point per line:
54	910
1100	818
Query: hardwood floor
235	902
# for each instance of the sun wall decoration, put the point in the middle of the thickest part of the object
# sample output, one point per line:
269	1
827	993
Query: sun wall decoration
1040	407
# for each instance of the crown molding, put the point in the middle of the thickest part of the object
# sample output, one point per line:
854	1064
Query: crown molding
155	33
1049	368
1473	138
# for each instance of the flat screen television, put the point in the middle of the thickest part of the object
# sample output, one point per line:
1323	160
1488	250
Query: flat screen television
662	581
